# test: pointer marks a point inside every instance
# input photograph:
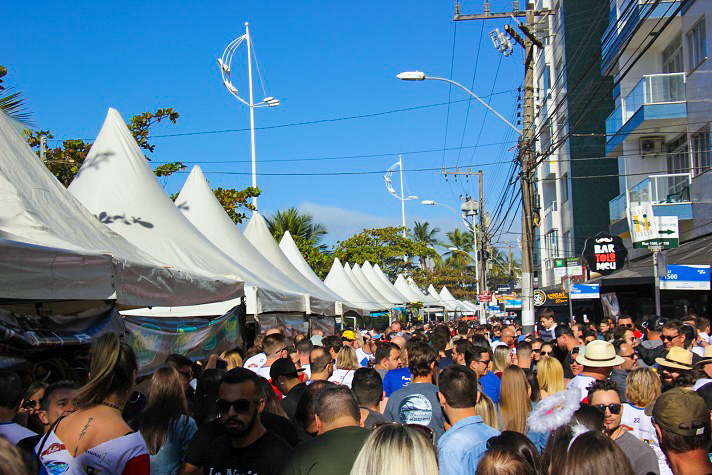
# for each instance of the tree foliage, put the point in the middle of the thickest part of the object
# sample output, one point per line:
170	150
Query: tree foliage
233	201
460	244
66	158
12	103
383	246
460	282
298	224
318	260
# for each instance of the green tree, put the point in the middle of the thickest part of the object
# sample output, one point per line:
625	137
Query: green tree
298	224
12	103
383	246
423	233
318	260
460	282
459	245
233	201
505	267
65	160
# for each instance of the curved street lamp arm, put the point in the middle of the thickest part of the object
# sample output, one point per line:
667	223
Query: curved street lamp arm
475	96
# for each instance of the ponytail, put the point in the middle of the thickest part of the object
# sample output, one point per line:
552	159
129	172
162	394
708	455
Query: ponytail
111	370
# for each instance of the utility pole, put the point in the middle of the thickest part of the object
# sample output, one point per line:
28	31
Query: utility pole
526	153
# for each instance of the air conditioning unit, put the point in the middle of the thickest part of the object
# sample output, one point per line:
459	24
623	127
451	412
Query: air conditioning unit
650	146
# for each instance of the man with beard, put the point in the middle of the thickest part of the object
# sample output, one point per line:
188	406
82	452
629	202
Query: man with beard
676	362
245	445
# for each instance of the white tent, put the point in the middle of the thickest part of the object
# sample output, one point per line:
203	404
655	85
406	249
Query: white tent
358	273
341	284
450	299
350	274
383	286
383	278
116	183
52	248
198	203
290	249
257	232
434	294
408	291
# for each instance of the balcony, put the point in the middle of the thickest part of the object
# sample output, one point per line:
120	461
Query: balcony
657	100
547	216
620	32
669	194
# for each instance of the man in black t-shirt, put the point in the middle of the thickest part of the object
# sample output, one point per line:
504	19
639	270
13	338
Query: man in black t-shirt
246	446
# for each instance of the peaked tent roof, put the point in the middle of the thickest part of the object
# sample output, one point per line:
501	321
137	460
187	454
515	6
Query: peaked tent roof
383	288
339	282
116	183
434	294
350	274
358	274
449	298
426	296
290	249
408	291
54	249
199	205
378	273
321	302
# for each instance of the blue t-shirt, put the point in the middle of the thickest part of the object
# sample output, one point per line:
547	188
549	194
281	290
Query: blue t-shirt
490	386
396	379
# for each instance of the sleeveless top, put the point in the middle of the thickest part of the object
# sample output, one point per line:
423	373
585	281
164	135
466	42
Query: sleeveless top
124	455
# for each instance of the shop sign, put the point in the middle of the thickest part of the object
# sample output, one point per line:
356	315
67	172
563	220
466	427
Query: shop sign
585	291
604	253
513	303
686	277
550	298
668	234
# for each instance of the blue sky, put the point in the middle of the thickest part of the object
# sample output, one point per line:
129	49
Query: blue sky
323	60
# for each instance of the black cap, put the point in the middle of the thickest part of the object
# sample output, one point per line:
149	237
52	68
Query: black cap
656	323
283	367
563	329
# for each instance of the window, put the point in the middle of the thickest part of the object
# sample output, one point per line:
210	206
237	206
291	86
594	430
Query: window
676	187
568	245
701	153
545	136
697	44
551	243
565	188
672	57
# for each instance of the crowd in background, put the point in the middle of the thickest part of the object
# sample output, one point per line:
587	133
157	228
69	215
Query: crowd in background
624	397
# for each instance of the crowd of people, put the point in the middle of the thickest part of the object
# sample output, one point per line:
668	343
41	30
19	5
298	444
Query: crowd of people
626	397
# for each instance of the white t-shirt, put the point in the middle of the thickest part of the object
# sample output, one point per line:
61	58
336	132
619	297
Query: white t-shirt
641	426
363	357
253	363
700	383
342	376
264	372
14	432
582	383
307	371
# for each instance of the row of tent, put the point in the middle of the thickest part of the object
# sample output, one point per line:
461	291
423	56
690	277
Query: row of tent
115	235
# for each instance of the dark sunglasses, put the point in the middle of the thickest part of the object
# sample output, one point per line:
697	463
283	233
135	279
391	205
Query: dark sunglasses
545	353
425	430
536	350
188	374
240	405
29	404
626	325
668	337
614	408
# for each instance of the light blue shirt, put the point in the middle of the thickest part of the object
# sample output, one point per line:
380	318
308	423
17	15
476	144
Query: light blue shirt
463	445
170	457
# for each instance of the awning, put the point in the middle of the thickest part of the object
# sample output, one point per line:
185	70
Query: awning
640	271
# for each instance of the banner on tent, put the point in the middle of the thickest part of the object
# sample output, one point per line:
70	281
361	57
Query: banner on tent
327	325
290	323
153	339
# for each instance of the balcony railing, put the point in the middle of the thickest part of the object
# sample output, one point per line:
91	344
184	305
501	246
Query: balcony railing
662	189
617	208
549	209
655	89
614	121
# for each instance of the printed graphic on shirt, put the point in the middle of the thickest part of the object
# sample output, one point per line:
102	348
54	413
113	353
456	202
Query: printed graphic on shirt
416	409
57	468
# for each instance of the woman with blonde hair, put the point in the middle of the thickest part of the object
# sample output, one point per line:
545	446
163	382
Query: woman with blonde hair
484	407
164	423
515	405
347	362
550	375
642	387
97	432
395	449
501	358
232	358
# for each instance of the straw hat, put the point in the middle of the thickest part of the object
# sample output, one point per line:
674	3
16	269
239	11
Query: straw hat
678	358
599	354
707	357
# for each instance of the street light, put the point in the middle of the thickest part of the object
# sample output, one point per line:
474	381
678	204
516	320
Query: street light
392	191
225	64
420	76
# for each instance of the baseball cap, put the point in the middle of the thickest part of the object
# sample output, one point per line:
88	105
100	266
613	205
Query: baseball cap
655	323
562	329
349	335
283	367
680	411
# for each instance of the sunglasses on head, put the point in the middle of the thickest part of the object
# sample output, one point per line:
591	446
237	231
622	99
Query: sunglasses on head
614	408
425	430
240	405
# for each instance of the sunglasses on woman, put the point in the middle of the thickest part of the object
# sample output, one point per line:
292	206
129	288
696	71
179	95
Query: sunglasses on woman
546	353
614	408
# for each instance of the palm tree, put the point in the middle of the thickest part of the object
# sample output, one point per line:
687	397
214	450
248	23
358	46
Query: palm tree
298	224
12	103
460	244
423	233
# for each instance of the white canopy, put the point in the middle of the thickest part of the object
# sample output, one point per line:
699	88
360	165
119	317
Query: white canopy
341	284
348	270
434	294
383	285
321	302
116	183
358	274
408	291
290	249
52	248
450	299
198	203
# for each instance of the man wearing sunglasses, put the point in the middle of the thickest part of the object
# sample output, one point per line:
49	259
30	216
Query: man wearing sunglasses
603	395
274	347
244	446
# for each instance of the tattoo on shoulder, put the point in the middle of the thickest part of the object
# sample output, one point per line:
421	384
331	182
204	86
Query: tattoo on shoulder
84	431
